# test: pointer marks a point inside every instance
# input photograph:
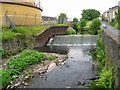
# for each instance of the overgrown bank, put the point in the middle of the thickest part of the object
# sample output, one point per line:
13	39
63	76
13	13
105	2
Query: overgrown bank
15	40
106	77
28	64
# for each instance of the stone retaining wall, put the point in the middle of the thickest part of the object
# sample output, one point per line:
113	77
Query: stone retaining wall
111	40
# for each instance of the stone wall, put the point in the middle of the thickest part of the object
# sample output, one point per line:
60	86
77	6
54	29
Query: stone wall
111	40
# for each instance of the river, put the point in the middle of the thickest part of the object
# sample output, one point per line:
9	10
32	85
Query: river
76	71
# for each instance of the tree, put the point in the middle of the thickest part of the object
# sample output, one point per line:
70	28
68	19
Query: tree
74	25
95	26
81	24
62	18
75	20
118	17
90	14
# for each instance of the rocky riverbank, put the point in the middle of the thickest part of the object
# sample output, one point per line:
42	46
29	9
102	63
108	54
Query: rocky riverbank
36	70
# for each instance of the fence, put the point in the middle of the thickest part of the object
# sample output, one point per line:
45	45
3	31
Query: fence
20	18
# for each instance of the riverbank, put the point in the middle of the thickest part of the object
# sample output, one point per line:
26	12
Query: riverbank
36	70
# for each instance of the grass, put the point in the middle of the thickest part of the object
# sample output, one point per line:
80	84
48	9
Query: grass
24	31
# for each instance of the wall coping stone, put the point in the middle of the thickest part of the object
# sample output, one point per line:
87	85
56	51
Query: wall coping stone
113	33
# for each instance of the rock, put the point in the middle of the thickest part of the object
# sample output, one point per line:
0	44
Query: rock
26	77
81	83
51	66
17	84
24	83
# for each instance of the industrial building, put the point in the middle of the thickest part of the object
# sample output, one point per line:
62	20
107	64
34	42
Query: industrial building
20	12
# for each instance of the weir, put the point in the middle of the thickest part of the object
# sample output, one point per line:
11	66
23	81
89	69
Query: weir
75	69
73	40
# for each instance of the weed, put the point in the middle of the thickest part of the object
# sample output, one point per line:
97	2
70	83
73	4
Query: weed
18	64
29	72
52	57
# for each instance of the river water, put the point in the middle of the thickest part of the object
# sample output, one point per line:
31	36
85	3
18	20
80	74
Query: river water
76	70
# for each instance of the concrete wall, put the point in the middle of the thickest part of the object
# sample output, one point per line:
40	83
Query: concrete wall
14	45
20	14
48	33
111	40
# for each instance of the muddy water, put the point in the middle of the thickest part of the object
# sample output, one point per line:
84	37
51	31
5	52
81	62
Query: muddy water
76	71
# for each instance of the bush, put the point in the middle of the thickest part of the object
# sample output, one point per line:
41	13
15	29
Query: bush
52	57
95	26
70	31
106	78
82	23
105	81
113	22
8	35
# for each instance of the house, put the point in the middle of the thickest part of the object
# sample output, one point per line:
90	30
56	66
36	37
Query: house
109	14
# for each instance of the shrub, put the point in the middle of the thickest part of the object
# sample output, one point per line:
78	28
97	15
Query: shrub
4	77
8	35
52	57
82	23
105	81
95	26
70	31
106	78
113	22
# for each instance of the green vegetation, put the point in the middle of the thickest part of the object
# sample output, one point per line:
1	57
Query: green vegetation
22	32
95	26
18	64
74	25
52	57
106	79
81	25
29	72
62	18
115	22
90	14
70	31
118	18
4	77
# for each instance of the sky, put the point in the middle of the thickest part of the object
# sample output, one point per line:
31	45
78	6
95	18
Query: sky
73	8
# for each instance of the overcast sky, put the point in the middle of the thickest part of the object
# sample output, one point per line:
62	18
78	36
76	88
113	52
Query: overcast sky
73	8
